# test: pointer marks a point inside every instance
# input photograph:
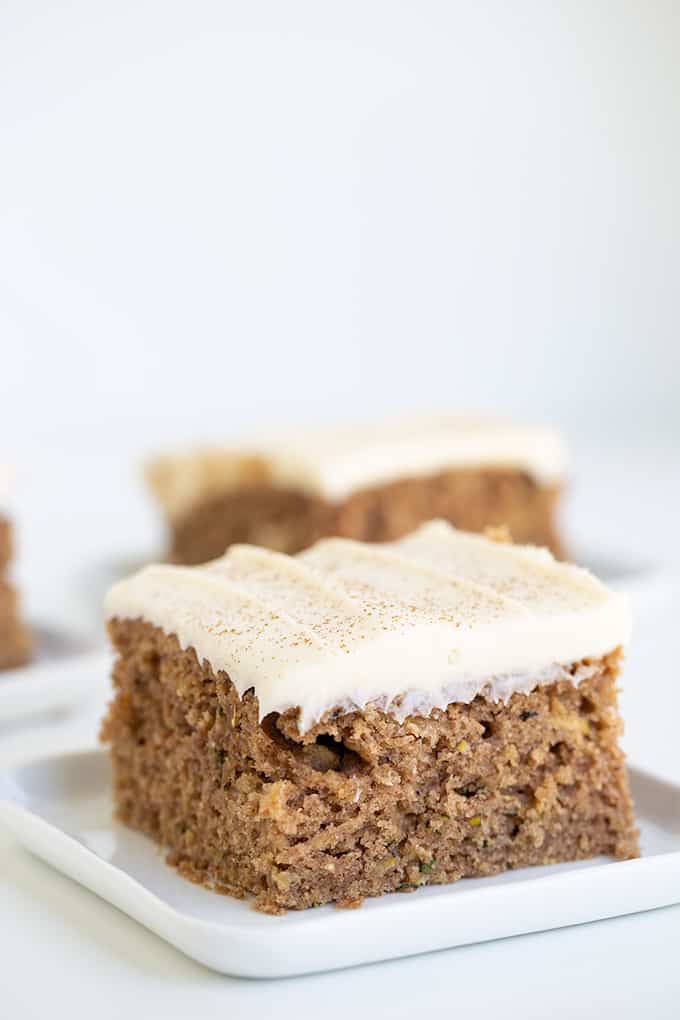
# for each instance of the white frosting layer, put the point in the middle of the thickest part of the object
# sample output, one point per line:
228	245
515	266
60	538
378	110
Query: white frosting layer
437	617
5	477
334	464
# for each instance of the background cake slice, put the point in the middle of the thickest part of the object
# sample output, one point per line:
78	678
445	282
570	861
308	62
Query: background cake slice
373	483
15	643
362	718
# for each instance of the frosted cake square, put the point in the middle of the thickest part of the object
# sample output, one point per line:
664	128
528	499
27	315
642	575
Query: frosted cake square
374	483
364	718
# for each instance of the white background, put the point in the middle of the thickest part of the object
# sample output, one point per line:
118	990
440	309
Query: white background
215	214
222	216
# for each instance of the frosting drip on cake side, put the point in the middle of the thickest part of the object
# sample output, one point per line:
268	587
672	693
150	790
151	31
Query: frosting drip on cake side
437	617
332	464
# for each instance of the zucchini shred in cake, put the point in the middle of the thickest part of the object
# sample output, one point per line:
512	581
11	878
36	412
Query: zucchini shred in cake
374	483
360	719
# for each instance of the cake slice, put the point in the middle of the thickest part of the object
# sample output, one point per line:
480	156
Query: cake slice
15	643
359	719
374	484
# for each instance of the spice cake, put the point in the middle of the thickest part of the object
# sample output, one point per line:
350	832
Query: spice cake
15	642
373	484
359	719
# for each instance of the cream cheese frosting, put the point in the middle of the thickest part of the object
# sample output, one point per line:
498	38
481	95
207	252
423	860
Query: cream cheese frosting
437	617
5	477
334	463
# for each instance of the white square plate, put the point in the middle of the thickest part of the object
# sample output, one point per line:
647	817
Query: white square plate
63	672
60	809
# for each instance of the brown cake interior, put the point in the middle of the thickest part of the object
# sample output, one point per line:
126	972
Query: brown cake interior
288	521
361	804
15	644
5	543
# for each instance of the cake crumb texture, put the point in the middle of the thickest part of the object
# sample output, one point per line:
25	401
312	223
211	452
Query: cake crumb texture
15	642
361	804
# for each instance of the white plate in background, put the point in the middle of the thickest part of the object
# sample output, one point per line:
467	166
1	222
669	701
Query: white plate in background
69	674
52	644
60	809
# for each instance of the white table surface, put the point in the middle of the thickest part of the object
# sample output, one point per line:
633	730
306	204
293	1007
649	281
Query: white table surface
64	952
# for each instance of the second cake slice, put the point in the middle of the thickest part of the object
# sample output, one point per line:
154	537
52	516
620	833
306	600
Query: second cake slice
373	483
